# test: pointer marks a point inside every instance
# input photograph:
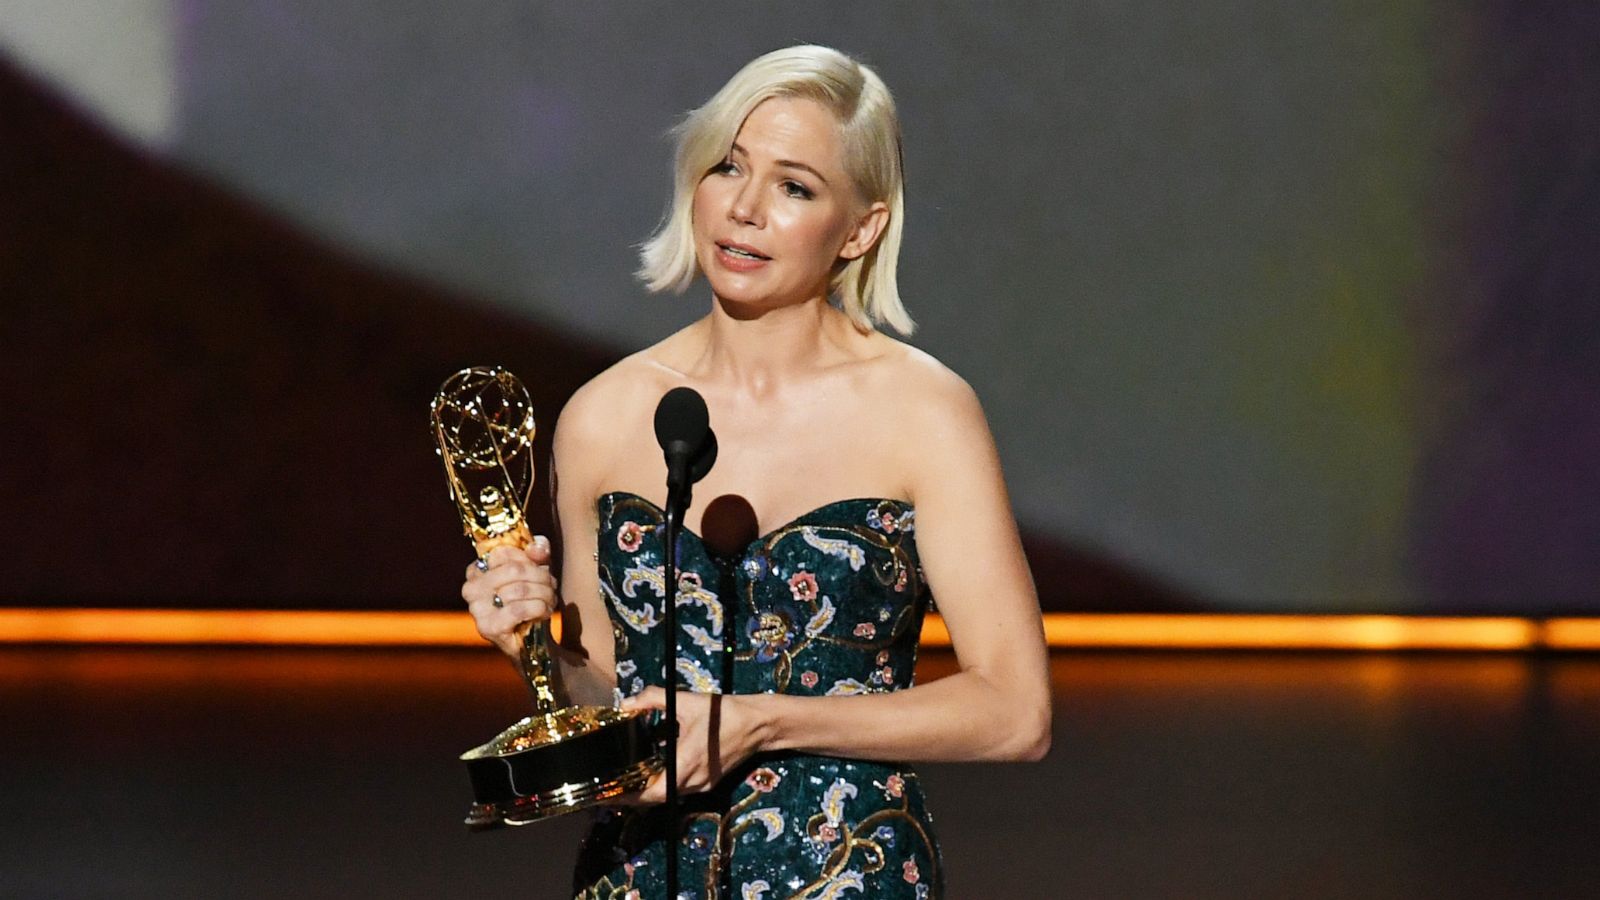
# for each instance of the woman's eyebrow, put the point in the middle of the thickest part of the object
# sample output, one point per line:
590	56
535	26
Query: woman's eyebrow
786	163
791	164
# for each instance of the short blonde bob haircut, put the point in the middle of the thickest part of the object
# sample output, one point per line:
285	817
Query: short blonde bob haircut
865	286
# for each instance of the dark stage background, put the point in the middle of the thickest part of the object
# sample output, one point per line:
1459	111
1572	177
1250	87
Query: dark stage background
1273	308
250	773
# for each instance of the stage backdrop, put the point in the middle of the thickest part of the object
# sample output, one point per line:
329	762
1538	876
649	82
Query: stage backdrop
1273	307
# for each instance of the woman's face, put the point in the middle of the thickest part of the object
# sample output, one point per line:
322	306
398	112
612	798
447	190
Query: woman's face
771	221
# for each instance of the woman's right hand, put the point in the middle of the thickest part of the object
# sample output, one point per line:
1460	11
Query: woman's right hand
508	589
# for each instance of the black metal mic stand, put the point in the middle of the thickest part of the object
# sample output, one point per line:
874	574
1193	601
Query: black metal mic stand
683	429
669	622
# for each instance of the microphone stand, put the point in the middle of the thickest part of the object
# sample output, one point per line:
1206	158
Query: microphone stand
684	431
677	503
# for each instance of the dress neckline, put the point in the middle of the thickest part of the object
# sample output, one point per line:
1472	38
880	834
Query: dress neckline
768	535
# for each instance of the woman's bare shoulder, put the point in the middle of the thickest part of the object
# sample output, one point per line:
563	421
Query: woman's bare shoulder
614	394
922	385
625	392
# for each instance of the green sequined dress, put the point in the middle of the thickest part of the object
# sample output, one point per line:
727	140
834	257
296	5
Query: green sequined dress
830	603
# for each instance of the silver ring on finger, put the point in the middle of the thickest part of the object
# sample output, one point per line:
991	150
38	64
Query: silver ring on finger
498	603
482	563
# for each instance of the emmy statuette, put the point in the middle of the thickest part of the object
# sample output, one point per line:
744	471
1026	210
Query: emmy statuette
561	758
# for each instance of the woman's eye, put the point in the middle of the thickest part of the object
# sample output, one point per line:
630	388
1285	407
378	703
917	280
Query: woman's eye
726	167
797	190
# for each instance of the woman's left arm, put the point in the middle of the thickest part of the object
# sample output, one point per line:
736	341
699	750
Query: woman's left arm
997	707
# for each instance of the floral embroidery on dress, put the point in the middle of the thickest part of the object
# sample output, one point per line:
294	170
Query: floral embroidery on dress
772	632
822	619
706	600
703	639
831	602
635	577
883	517
754	567
804	586
629	537
771	817
835	887
836	547
697	677
889	517
640	620
763	780
833	800
846	687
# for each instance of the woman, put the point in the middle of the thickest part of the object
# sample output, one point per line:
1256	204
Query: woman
856	477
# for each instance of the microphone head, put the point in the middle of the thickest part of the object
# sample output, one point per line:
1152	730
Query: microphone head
683	428
681	418
704	457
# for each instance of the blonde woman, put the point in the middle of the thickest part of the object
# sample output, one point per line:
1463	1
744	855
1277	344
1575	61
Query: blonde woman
857	480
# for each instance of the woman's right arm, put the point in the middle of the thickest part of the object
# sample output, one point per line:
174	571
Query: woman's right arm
579	450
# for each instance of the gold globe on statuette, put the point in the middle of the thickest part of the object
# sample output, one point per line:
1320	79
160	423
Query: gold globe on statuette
561	758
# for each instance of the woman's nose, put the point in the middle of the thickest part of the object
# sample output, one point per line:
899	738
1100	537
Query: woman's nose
746	205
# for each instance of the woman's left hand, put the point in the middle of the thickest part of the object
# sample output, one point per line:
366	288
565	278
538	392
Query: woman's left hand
716	733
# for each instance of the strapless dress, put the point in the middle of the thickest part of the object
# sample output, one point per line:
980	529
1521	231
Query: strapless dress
828	604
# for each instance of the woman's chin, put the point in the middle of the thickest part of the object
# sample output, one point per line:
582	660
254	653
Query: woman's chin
758	298
743	306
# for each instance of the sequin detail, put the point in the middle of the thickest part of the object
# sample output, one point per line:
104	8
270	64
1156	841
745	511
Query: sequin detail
829	603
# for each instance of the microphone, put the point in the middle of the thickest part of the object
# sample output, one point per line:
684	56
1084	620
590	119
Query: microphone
683	429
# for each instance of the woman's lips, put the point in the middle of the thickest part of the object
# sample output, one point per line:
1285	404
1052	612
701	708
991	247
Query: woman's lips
729	256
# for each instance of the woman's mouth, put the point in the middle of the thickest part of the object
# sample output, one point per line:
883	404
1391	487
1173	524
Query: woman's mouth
739	251
739	258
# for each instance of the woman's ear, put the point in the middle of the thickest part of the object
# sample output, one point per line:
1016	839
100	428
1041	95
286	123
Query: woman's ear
866	232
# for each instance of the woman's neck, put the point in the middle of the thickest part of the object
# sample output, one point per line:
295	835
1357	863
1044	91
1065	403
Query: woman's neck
756	354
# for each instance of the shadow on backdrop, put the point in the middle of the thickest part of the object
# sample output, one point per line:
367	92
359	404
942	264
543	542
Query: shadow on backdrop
227	412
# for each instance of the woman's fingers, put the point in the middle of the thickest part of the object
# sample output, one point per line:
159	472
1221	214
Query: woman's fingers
508	573
507	588
647	699
652	698
654	792
509	603
537	553
509	615
697	769
538	550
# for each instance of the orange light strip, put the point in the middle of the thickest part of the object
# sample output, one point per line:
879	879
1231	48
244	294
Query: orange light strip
1298	632
1206	631
1572	634
172	626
